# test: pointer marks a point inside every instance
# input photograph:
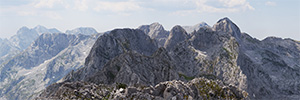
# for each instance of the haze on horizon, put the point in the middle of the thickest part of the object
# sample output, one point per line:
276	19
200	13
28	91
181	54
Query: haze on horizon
259	18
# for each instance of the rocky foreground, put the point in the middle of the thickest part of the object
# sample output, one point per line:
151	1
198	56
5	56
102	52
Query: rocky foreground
196	89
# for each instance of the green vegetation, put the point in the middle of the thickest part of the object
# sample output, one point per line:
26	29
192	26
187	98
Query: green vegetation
210	89
186	77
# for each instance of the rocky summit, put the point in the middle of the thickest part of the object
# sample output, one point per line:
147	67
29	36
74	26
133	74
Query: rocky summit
186	63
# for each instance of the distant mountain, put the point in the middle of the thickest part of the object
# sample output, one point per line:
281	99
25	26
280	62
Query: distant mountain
20	41
156	31
26	36
190	29
46	61
41	29
127	63
82	30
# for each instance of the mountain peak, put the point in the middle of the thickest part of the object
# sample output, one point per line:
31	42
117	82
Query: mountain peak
82	30
177	28
227	26
40	27
156	24
177	35
225	20
24	28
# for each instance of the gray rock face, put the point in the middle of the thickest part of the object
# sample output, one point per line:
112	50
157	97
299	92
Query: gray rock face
156	31
199	88
271	66
82	30
177	35
133	68
111	45
190	29
219	52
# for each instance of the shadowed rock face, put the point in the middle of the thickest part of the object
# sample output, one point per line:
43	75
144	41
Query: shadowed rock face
221	55
133	68
111	45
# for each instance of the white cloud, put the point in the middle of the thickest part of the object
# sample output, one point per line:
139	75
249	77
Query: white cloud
27	13
81	5
52	15
270	3
127	7
47	3
216	6
117	6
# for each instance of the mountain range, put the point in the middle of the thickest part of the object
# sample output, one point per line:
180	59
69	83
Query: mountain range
149	62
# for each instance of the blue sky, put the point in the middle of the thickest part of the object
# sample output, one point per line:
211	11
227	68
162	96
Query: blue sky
259	18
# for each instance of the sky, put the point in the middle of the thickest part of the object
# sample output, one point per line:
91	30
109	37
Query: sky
258	18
